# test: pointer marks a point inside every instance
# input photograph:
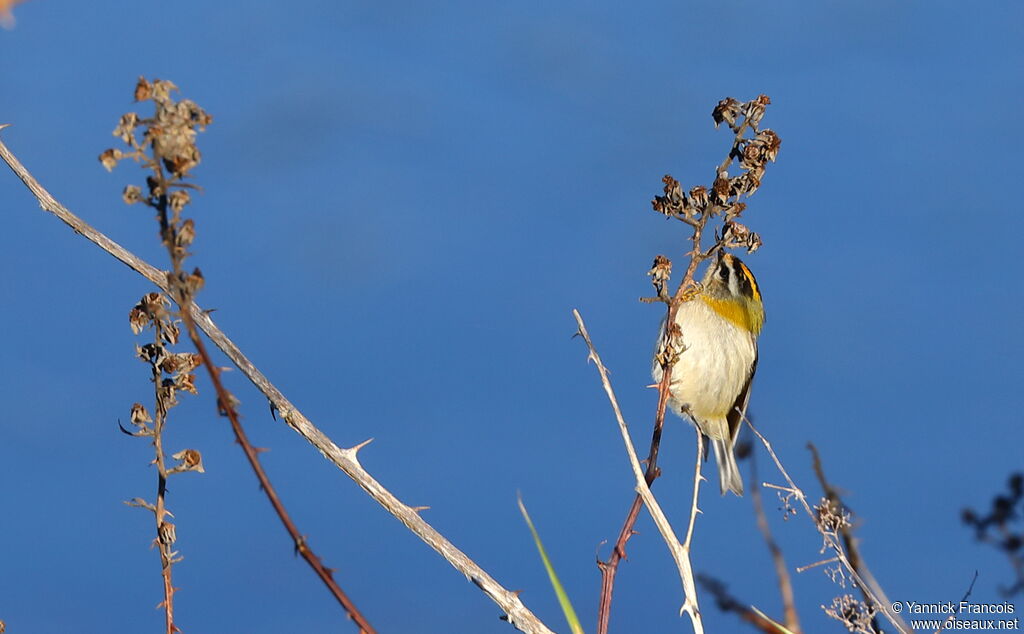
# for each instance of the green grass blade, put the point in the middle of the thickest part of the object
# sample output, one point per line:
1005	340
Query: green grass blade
563	598
779	627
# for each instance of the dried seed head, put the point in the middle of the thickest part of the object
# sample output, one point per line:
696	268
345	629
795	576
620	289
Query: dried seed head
727	110
143	90
751	156
661	270
161	90
190	111
109	158
754	110
746	183
831	518
674	201
131	194
736	236
180	362
186	382
125	129
150	353
186	233
1012	543
699	197
720	189
139	415
852	613
189	460
155	305
178	199
770	142
167	395
1016	485
194	282
175	144
170	332
138	319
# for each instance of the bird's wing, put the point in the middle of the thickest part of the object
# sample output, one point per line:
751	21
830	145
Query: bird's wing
739	408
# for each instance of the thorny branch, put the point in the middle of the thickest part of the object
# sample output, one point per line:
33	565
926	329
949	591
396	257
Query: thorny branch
346	459
680	552
696	209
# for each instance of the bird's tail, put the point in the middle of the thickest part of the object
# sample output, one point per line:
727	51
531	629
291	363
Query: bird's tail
728	472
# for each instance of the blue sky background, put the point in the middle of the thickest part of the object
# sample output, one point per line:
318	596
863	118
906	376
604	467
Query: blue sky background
402	205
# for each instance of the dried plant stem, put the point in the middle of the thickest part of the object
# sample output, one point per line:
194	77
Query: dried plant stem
781	571
160	512
182	295
873	599
748	613
680	551
345	459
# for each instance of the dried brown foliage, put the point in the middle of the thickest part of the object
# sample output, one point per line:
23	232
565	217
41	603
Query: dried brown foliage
1003	528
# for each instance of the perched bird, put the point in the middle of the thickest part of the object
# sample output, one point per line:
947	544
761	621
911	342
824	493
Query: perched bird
711	379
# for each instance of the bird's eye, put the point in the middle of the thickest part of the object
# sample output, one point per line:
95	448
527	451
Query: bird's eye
723	271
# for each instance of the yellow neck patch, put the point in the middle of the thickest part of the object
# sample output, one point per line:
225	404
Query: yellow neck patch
736	313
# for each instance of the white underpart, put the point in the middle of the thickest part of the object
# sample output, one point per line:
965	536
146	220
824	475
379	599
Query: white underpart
711	371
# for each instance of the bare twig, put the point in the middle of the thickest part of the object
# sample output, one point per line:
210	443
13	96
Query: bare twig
697	479
952	617
781	571
680	552
823	562
728	603
345	459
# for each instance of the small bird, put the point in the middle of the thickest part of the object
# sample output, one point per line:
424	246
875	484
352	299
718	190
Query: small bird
711	379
